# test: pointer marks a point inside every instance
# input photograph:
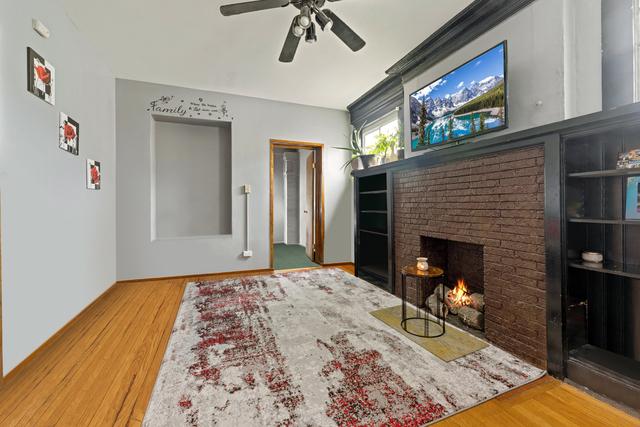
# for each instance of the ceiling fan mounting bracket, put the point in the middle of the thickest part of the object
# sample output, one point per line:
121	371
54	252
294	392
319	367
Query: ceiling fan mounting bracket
314	3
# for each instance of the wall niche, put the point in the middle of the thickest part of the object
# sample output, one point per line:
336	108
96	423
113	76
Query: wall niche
190	178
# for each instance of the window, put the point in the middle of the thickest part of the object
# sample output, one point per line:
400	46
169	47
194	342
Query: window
388	125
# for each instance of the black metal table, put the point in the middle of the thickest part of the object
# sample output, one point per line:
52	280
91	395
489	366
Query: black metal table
424	287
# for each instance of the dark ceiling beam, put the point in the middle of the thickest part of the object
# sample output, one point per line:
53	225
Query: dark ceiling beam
475	20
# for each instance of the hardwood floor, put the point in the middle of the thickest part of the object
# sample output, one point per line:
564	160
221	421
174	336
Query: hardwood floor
102	369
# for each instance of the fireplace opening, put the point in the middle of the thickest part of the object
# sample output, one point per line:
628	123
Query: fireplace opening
463	298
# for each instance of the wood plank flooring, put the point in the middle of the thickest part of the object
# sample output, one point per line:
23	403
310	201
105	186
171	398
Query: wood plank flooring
102	369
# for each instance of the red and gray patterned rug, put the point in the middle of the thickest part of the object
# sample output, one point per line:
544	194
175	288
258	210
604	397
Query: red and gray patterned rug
302	349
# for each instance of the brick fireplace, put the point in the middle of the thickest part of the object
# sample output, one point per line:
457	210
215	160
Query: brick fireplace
494	204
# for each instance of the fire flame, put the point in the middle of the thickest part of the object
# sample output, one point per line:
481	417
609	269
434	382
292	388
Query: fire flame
459	295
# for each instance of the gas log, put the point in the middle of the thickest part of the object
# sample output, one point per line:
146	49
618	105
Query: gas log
433	302
471	317
468	307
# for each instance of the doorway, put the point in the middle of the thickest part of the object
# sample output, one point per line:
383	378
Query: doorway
296	205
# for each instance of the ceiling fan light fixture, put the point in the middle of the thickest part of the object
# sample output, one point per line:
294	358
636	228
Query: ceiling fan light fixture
325	22
298	31
311	36
304	19
303	23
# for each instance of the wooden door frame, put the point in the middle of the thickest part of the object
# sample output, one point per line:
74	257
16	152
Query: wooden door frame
318	148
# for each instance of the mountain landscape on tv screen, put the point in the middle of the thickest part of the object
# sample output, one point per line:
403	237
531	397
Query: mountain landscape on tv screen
468	101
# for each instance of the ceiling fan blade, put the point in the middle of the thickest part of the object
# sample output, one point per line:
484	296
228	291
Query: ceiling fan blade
344	32
290	45
251	6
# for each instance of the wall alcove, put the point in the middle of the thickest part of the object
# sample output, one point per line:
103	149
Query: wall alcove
190	178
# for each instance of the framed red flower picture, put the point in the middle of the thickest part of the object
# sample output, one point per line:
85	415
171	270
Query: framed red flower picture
69	135
94	175
41	77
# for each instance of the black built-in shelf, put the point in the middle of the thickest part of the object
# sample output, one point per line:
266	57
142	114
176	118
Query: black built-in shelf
373	237
601	346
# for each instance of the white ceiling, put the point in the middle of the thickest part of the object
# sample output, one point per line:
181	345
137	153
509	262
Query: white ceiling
189	43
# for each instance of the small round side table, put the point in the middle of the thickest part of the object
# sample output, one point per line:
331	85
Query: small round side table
425	285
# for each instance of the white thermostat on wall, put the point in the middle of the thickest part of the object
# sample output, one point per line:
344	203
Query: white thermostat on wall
246	188
40	28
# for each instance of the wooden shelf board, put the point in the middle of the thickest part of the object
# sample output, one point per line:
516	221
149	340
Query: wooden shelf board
605	173
376	233
375	271
629	368
374	192
373	211
604	221
629	270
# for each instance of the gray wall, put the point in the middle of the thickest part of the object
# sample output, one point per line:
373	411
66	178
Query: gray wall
254	122
617	45
192	179
553	57
278	196
293	197
58	238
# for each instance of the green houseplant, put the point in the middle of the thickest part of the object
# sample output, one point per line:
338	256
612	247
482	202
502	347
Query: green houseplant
358	154
386	146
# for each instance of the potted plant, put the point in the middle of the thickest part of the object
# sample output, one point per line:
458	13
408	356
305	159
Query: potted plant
358	155
385	146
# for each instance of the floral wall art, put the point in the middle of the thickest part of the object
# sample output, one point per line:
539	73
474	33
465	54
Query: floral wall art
94	174
69	135
41	77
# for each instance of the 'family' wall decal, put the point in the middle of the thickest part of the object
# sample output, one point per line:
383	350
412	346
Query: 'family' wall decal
198	108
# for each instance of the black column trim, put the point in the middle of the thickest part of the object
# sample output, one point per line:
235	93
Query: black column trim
553	239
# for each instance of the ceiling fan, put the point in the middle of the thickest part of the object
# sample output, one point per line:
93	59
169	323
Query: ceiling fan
302	25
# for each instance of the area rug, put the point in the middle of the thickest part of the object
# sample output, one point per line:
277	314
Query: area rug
300	349
453	345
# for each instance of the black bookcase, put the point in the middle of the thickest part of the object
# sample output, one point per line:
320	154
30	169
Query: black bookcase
374	229
602	301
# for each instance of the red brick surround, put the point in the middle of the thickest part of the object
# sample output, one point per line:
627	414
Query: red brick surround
496	201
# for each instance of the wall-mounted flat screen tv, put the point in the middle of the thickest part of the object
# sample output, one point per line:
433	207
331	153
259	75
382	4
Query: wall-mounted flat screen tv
469	101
